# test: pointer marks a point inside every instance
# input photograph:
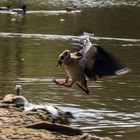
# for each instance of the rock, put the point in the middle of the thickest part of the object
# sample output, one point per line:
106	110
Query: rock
59	128
13	120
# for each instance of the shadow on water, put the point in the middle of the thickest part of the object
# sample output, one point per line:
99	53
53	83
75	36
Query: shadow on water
30	45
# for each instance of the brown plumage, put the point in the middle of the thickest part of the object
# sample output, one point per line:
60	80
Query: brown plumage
73	70
63	117
92	61
15	99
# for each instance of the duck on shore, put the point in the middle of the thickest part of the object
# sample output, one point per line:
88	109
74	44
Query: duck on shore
15	99
57	114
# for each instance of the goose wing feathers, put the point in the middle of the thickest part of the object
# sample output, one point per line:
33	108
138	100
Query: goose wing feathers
97	62
101	63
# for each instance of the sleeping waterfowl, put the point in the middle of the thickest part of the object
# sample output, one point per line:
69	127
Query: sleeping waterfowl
92	61
59	115
15	99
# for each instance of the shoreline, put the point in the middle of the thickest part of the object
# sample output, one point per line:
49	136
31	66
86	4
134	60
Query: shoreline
13	121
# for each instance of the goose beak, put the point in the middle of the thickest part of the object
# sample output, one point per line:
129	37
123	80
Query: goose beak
59	63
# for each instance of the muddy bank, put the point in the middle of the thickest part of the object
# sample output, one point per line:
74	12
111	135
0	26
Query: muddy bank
13	121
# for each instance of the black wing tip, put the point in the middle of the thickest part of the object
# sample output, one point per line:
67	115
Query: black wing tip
87	92
105	64
84	89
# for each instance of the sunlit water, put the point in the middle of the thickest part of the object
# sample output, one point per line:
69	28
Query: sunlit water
30	45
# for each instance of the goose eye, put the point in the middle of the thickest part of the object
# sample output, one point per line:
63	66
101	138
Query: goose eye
62	57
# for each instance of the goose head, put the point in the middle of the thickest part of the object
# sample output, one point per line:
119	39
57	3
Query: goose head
18	89
67	55
69	115
64	56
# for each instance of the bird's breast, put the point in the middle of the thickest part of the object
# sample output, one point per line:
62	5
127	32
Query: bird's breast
74	71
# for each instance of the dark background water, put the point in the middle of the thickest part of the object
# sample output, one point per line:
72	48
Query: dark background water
30	45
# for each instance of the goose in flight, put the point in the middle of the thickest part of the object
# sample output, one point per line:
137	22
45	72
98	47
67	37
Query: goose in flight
73	71
91	61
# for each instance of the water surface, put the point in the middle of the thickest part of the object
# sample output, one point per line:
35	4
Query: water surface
30	45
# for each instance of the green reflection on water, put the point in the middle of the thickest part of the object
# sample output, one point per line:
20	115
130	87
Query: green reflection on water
31	61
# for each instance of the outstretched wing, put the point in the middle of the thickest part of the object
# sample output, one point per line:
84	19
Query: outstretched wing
100	63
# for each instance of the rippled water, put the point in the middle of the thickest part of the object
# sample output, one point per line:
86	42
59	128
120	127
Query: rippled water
81	3
30	45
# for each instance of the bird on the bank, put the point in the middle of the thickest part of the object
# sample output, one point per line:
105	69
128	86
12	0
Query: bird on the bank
15	99
92	61
59	114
